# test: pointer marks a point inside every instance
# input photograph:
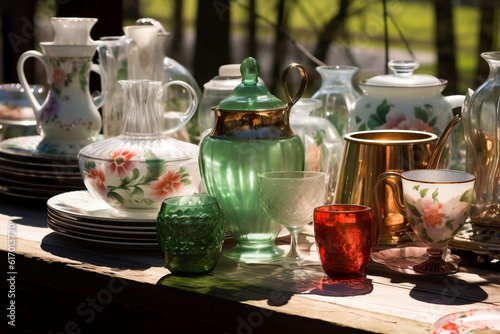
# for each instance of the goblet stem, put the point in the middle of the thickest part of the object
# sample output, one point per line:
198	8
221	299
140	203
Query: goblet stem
293	259
435	264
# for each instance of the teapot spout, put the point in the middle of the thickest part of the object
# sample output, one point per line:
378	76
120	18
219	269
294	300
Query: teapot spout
434	159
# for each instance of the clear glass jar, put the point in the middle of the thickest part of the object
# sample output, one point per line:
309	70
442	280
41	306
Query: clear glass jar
481	122
337	94
323	144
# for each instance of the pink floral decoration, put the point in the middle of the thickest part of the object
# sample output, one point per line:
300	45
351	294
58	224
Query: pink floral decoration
52	108
167	185
96	178
59	76
432	213
419	125
396	120
122	163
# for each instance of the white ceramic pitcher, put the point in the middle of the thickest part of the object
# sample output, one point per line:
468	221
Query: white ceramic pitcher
68	119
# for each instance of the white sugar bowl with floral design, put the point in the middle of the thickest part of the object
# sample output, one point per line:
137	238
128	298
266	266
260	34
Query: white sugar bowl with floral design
135	171
405	101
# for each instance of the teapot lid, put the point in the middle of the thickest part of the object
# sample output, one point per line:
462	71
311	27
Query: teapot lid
403	76
250	94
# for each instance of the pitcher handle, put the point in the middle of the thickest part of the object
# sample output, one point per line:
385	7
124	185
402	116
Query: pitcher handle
189	113
105	69
303	83
37	107
376	200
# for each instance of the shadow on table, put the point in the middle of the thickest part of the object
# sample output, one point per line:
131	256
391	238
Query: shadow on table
443	290
242	282
33	210
87	252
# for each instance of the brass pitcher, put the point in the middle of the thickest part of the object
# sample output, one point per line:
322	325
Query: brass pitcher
368	154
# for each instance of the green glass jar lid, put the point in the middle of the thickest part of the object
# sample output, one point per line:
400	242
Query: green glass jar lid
251	95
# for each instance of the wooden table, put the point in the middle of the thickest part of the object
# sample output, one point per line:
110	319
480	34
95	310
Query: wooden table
61	285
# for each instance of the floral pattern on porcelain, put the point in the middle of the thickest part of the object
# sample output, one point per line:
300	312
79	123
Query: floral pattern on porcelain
66	72
138	179
436	222
387	118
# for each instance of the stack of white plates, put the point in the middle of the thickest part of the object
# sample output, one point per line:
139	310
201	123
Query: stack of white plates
80	215
28	173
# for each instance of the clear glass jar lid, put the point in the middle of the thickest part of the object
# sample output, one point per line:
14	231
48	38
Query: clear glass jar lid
403	76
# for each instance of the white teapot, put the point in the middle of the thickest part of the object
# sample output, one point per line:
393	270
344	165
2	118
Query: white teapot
405	101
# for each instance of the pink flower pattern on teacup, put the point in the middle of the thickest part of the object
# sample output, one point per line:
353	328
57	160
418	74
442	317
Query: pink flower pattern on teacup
433	221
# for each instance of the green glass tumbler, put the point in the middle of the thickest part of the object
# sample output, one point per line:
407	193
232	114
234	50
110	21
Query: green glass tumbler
190	231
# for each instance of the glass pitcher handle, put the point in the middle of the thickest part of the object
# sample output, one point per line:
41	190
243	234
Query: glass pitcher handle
105	69
189	113
303	83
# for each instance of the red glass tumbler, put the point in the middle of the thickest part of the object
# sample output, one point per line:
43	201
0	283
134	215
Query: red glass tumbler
345	235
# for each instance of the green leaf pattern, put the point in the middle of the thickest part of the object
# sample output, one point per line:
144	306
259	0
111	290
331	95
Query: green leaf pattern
131	189
425	120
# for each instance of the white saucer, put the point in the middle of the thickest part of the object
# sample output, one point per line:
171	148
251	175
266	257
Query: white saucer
403	259
82	204
106	225
80	215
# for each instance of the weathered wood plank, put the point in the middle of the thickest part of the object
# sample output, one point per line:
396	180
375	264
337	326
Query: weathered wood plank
254	298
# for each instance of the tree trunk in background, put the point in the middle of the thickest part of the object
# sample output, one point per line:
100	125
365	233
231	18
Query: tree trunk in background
279	46
131	10
252	30
486	38
212	39
18	36
331	31
176	47
445	44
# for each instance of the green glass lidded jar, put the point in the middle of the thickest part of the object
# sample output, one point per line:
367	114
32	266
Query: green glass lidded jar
251	135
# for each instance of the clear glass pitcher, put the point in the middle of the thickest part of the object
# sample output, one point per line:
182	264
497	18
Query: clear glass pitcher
481	122
137	170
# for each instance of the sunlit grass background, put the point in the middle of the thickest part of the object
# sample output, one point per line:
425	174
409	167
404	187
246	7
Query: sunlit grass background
365	26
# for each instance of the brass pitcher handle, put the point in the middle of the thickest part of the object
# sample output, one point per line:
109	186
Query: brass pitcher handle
376	200
303	83
438	150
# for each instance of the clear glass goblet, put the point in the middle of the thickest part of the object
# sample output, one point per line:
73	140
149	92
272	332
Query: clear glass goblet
437	203
289	197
